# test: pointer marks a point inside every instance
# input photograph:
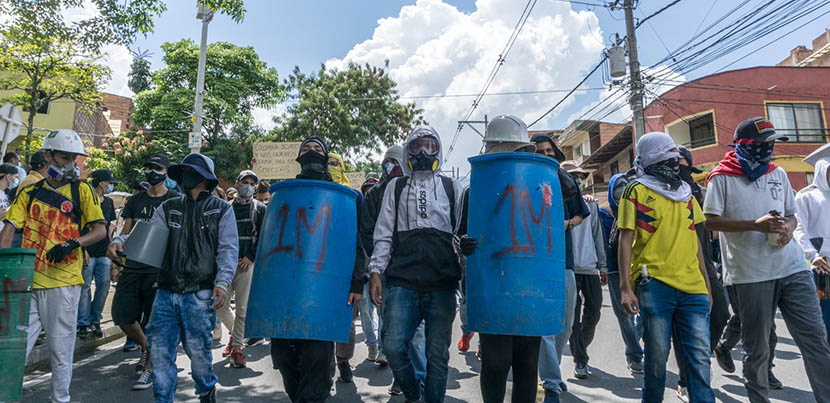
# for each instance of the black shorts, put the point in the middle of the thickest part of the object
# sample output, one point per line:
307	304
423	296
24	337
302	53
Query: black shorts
134	296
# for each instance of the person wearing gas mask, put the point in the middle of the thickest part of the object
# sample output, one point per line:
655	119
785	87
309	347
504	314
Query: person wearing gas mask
660	254
413	247
249	215
91	307
53	213
198	267
719	315
134	295
750	201
305	365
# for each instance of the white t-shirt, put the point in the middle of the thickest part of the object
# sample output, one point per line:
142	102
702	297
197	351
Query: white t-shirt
747	257
4	205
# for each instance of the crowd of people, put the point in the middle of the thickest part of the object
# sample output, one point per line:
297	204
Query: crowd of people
674	255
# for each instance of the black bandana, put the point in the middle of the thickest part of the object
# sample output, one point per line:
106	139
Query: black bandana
314	165
668	171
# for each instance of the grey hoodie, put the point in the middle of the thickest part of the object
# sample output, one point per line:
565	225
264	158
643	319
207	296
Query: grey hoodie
420	254
589	244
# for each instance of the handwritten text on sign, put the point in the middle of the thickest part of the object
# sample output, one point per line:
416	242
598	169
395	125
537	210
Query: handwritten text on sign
521	199
276	160
321	222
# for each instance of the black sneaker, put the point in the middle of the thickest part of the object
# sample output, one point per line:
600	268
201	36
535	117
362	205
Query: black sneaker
145	381
345	369
395	390
142	362
129	345
724	359
581	371
774	383
83	331
210	397
95	328
254	341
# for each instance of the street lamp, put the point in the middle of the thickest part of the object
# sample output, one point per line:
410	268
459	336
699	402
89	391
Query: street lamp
205	14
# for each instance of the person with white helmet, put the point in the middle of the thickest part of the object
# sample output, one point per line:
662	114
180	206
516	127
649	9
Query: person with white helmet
53	213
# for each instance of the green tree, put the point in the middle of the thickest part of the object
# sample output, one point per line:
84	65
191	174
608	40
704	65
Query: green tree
40	68
140	75
357	111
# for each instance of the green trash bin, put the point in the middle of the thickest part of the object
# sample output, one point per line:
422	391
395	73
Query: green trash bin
17	266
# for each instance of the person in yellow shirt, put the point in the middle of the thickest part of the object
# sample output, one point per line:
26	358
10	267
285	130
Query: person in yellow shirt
659	253
52	212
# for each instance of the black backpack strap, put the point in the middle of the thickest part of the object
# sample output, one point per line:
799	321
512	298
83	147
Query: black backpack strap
33	193
449	189
75	189
399	185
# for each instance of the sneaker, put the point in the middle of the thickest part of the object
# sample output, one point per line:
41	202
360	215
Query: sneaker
724	359
237	358
464	342
683	394
129	345
478	353
145	381
95	328
142	362
228	348
551	397
581	371
41	338
774	383
381	360
395	390
345	372
254	341
83	331
373	353
636	367
210	397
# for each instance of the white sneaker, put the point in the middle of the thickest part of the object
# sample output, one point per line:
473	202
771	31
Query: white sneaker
683	394
373	353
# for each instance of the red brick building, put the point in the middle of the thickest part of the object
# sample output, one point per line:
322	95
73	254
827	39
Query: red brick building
702	114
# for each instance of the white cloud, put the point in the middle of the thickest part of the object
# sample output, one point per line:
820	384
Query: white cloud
264	117
434	48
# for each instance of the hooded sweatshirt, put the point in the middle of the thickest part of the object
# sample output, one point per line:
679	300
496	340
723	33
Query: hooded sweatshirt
813	213
589	244
371	206
419	255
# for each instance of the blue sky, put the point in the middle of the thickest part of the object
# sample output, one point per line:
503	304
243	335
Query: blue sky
307	33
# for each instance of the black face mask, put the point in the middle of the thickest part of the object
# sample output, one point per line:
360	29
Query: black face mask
423	162
667	171
686	173
190	179
154	178
313	165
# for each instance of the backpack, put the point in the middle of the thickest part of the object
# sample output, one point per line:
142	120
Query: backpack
449	189
75	190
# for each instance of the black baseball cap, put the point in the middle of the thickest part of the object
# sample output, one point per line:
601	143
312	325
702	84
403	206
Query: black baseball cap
6	169
758	129
37	160
542	137
686	154
103	175
158	159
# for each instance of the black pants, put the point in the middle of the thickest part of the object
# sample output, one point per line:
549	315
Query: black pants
732	333
586	318
304	366
498	354
717	322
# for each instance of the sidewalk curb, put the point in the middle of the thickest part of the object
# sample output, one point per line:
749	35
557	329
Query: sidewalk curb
39	356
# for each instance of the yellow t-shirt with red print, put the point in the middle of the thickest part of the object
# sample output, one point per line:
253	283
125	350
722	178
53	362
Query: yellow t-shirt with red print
48	223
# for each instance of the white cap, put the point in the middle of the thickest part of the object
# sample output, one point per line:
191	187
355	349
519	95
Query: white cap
64	140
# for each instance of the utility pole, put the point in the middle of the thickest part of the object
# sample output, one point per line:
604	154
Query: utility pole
195	139
636	99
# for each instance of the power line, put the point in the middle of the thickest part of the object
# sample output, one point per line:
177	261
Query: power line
604	58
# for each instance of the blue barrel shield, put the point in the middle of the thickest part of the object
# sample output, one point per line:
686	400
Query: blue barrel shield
516	277
304	263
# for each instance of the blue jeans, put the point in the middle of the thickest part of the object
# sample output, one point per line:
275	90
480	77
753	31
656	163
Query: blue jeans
90	307
659	305
404	311
550	350
189	319
825	310
367	320
630	328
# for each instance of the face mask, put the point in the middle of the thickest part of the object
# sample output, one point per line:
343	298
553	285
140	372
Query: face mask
667	171
423	162
170	184
190	180
314	165
15	183
110	188
154	177
392	170
686	173
245	191
68	171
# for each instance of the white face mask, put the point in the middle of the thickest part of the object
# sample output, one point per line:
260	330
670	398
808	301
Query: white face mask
245	191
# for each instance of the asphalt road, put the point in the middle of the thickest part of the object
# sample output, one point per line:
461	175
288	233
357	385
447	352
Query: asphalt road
107	374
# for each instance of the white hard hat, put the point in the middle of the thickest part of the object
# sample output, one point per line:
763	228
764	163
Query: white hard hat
506	129
64	140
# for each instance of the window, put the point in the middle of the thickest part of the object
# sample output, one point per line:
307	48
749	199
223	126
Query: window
615	167
702	131
801	122
42	108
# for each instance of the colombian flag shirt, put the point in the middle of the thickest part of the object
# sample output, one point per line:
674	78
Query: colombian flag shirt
664	237
47	224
